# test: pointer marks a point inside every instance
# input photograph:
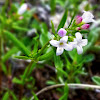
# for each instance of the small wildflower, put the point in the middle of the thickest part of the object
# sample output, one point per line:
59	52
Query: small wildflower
22	9
85	26
62	32
87	17
78	43
78	19
61	45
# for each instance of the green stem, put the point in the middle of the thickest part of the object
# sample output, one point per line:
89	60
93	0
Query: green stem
0	63
26	72
41	50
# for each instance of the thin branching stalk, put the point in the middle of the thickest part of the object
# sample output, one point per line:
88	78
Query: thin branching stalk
75	86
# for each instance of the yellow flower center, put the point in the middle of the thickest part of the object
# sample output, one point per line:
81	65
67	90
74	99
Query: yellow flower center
61	43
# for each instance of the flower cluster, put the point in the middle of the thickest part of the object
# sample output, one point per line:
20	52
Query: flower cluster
62	42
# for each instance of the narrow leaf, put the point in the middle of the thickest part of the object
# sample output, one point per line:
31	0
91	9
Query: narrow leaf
18	43
52	27
96	79
63	20
9	53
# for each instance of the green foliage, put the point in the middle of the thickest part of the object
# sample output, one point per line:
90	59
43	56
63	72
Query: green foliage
52	27
9	53
63	20
65	95
5	96
17	43
96	79
44	36
17	81
36	48
53	5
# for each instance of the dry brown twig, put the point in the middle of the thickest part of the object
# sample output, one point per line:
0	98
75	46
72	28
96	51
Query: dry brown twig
77	86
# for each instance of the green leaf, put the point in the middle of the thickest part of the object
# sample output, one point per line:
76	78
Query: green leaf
13	95
53	5
88	58
96	79
72	19
6	96
28	70
44	36
20	28
9	53
35	97
65	95
59	67
62	71
17	81
63	20
52	27
16	42
49	82
46	56
4	68
22	57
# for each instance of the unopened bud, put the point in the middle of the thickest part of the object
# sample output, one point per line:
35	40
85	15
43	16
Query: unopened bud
85	26
62	32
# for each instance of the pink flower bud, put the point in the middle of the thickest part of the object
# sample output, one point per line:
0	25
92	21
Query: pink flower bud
78	28
62	32
85	26
78	19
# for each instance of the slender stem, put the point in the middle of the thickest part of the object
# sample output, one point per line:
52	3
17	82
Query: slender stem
0	64
41	50
77	86
26	73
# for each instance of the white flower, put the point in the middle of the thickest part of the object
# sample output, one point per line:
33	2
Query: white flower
83	6
87	17
61	45
79	43
22	9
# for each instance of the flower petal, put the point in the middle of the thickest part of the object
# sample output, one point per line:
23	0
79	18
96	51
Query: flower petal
87	20
84	42
68	47
78	36
79	49
64	39
59	51
73	44
87	17
54	43
87	14
22	9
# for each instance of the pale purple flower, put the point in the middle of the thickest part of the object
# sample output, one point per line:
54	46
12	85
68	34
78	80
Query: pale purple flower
85	26
87	17
22	9
61	45
78	43
78	19
62	32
